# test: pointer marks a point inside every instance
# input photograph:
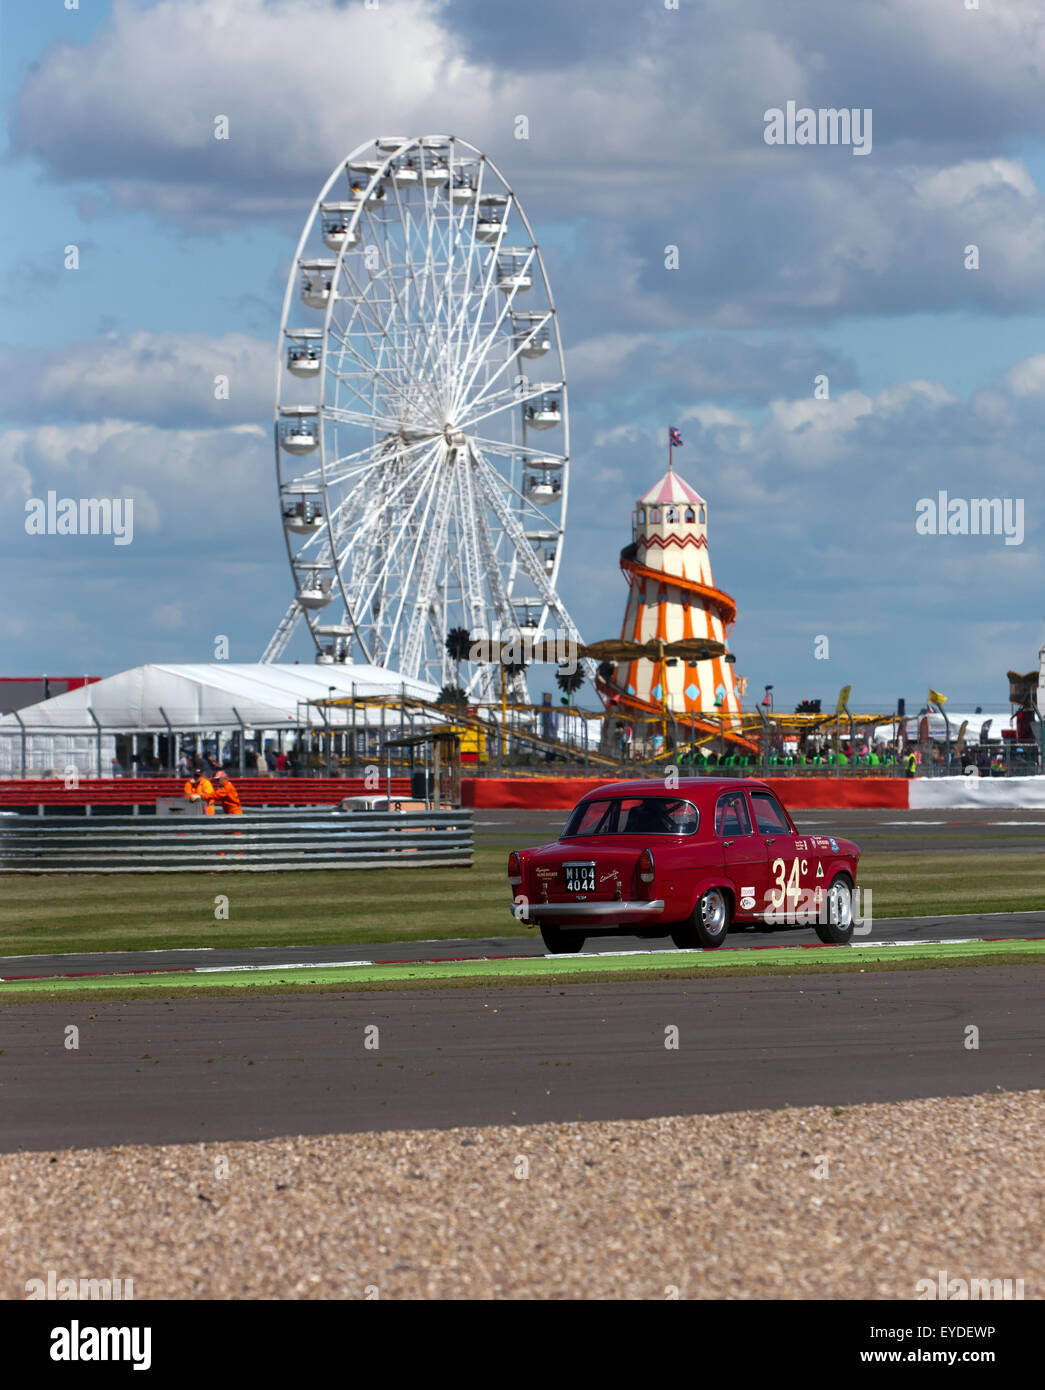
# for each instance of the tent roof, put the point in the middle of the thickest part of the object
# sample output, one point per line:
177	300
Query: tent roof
209	696
671	488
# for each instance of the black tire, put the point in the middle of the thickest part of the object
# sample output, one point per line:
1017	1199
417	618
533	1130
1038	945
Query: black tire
838	901
560	941
709	924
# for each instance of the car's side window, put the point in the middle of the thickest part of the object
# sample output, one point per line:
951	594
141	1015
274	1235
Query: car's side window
731	817
685	817
769	815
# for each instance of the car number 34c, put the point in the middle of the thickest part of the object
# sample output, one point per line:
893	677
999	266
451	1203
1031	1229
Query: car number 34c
787	885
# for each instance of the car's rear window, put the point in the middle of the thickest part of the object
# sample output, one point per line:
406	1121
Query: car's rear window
633	815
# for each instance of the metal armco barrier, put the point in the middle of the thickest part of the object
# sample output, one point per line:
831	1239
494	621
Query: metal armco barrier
268	843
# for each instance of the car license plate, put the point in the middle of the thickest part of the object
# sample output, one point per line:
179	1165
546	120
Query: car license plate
580	878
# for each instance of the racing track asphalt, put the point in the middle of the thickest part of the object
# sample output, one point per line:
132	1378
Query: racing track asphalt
159	1071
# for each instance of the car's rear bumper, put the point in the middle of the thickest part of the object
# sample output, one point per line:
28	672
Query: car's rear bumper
613	911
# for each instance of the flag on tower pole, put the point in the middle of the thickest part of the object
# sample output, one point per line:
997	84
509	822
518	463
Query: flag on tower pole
674	442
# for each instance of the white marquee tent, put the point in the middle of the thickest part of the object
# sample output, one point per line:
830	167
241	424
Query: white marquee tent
79	727
887	733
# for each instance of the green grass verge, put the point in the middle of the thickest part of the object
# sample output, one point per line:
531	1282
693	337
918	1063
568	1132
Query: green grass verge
538	970
49	914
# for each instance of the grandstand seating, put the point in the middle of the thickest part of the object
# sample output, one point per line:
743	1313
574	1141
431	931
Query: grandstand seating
112	792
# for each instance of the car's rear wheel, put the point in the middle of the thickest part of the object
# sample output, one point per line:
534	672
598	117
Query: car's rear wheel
709	924
561	941
837	929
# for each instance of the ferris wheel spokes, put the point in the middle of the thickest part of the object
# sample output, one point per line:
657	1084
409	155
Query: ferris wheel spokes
389	548
512	359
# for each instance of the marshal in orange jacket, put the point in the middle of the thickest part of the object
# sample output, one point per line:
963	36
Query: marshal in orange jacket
227	796
202	789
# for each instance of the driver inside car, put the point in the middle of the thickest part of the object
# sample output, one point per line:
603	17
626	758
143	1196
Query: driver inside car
651	818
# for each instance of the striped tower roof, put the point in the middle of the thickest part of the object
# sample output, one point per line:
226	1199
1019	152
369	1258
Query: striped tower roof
671	488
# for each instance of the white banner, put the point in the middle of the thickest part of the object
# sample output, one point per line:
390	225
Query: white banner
926	793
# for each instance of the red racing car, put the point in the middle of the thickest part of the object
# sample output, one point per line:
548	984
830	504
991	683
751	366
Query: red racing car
685	861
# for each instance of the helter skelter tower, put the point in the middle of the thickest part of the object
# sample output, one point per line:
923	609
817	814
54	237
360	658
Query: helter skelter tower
672	597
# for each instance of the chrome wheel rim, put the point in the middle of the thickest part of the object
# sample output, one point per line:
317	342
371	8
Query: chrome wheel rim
713	912
840	905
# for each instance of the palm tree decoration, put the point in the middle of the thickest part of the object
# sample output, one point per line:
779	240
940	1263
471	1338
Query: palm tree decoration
569	682
458	645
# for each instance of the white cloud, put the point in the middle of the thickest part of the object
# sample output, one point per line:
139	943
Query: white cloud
811	432
963	183
926	395
299	79
163	378
656	128
1027	378
180	480
169	616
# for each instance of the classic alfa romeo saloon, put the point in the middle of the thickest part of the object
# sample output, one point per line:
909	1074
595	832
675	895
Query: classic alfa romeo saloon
686	861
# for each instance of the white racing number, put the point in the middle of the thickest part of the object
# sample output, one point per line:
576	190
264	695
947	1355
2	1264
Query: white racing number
787	885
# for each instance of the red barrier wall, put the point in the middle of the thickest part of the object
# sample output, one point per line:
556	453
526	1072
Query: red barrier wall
531	793
811	793
801	793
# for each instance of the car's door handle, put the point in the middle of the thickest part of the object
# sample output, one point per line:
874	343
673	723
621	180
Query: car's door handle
727	842
768	840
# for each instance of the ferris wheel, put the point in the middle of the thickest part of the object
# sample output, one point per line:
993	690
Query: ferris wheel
421	423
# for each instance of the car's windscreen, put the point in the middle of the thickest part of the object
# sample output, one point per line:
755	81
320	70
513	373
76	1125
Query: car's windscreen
633	815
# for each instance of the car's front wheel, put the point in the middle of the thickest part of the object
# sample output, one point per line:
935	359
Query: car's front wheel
708	925
561	941
836	928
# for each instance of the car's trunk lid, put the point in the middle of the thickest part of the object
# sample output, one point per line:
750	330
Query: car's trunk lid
572	871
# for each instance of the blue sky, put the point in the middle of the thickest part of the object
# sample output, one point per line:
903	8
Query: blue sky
646	130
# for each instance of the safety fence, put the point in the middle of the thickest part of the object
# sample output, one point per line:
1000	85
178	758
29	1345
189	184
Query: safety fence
994	763
258	843
140	794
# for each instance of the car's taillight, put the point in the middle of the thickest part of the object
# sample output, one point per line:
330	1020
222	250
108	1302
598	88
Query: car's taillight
514	869
646	866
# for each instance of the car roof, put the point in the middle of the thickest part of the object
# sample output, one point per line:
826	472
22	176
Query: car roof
686	786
